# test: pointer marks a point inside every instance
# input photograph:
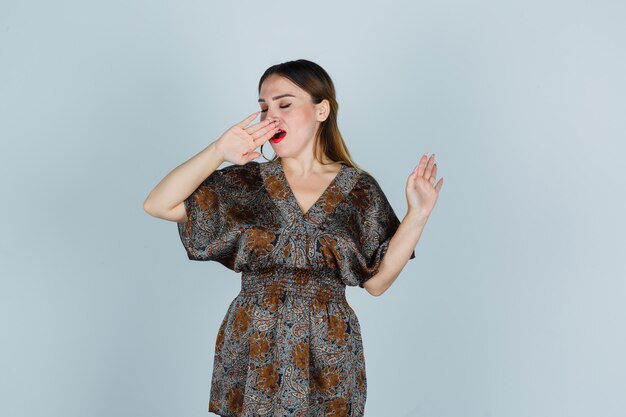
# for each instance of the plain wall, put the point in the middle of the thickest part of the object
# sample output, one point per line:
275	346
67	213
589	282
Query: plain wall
514	306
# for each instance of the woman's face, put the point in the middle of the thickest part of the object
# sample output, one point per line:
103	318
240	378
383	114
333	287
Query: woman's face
297	115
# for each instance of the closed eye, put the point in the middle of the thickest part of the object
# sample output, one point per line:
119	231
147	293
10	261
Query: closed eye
282	107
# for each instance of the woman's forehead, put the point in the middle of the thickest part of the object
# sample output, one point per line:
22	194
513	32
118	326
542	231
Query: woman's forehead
277	85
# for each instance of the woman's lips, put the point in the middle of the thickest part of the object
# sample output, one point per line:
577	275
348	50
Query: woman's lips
279	135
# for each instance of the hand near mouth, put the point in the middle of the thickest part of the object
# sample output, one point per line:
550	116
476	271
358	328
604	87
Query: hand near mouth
238	143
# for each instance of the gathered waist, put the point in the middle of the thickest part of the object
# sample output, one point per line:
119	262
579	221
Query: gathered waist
308	283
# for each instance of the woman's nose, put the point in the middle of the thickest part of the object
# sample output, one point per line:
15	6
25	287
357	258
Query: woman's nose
271	116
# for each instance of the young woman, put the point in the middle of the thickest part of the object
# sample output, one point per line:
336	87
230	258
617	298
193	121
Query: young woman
300	228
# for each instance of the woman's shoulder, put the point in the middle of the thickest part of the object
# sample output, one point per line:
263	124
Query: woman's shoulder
244	176
235	169
367	180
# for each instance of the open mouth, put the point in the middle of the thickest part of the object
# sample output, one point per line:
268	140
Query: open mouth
280	133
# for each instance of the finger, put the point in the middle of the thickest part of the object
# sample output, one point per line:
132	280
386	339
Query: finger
253	128
429	166
248	119
421	166
260	128
439	184
264	137
433	174
268	130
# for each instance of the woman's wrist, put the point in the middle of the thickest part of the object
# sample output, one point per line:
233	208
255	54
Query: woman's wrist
216	152
414	217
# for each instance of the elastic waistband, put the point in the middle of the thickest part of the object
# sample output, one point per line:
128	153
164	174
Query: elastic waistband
296	282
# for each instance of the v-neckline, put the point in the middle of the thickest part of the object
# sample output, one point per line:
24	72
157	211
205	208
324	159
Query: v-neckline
277	188
292	196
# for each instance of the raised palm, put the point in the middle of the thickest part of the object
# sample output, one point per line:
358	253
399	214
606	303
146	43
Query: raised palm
421	191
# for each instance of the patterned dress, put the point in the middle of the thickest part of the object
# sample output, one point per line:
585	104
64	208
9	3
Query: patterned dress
289	344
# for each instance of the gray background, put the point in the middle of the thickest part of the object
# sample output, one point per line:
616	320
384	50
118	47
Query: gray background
514	305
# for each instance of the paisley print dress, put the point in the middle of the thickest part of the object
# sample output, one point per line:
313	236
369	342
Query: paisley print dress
289	344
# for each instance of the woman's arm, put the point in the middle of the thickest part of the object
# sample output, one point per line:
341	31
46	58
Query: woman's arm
398	253
421	194
165	201
236	145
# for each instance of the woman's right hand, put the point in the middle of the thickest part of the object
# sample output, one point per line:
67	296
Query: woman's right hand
238	143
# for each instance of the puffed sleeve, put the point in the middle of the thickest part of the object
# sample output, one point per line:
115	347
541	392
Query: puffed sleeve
376	225
204	234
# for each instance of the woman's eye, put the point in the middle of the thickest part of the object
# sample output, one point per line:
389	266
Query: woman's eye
282	107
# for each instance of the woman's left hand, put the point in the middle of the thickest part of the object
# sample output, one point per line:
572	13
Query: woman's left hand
421	193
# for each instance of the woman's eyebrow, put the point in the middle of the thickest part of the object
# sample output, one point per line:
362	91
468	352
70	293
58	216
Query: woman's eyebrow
277	97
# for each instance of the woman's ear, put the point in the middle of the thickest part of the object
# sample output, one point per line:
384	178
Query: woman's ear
322	110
